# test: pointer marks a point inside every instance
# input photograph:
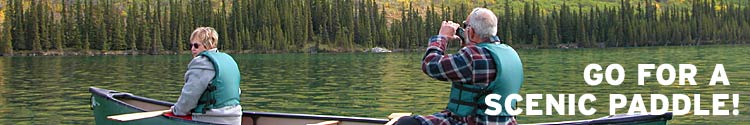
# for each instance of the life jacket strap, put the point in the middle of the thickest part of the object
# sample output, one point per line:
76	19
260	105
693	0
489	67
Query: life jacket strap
475	105
480	92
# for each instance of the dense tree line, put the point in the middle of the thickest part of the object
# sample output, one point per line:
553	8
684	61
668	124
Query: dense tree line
159	26
631	24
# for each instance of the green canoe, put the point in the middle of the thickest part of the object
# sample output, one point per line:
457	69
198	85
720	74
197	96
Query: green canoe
108	102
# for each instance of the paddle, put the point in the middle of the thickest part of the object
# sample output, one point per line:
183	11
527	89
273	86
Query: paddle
136	116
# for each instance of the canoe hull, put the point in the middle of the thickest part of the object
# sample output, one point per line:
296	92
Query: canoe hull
103	107
108	102
657	119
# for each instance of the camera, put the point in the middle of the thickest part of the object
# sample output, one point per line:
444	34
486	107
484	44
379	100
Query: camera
460	33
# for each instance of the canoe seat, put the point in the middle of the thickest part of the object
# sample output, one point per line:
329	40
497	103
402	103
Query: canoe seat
326	123
395	116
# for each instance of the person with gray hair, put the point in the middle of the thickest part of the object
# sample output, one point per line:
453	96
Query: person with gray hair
483	66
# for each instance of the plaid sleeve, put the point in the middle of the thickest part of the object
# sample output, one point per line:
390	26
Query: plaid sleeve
450	67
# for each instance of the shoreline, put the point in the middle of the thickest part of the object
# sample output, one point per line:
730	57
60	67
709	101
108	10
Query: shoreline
84	53
146	52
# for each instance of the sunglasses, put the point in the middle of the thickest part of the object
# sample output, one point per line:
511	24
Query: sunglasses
195	45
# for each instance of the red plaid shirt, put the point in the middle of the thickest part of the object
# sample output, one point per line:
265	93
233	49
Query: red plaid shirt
471	65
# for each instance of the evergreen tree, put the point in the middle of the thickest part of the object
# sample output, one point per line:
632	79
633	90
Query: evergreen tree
236	23
34	27
343	25
101	23
224	41
58	36
146	28
86	25
553	35
45	25
131	35
363	35
581	29
117	29
6	45
507	23
156	46
75	36
6	36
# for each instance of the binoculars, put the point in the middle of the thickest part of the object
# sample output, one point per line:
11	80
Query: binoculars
460	33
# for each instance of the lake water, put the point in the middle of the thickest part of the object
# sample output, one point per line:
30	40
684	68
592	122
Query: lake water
54	90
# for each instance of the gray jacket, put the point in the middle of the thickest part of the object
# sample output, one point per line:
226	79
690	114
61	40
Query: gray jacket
199	73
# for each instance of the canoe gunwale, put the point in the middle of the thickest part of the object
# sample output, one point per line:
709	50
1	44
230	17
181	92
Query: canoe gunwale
616	119
113	95
645	118
317	117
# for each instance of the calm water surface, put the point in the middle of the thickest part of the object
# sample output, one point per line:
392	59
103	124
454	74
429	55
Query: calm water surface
54	90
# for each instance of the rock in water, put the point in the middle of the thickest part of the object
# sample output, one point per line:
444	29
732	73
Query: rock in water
380	50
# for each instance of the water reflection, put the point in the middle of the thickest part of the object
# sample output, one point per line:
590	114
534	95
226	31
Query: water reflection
3	109
52	90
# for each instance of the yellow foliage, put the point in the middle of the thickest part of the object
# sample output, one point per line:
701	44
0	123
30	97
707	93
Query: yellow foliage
2	12
2	17
487	1
718	8
56	7
403	1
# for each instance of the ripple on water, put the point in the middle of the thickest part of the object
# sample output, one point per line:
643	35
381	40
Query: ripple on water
53	90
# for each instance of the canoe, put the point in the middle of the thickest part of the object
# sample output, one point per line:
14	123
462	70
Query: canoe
109	102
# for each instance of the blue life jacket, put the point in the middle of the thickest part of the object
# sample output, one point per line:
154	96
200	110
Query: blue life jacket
468	99
224	89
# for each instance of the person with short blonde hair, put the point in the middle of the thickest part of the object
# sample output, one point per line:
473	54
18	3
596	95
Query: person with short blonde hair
211	92
207	36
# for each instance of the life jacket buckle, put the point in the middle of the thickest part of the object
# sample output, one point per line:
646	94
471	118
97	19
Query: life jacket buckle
210	88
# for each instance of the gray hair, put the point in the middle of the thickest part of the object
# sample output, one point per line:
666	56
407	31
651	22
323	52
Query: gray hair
484	22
